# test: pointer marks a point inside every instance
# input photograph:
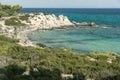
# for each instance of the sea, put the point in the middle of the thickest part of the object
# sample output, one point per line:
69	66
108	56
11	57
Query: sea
105	37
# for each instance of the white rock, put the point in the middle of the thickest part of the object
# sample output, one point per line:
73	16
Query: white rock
49	21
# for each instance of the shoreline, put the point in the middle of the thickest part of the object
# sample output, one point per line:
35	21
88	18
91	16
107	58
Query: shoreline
35	22
24	41
48	22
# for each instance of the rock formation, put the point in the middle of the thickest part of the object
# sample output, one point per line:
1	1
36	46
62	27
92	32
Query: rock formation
49	21
35	22
84	23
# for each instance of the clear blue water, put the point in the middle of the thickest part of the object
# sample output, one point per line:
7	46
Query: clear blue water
103	38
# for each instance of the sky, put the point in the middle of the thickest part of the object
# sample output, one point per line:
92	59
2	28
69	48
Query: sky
64	3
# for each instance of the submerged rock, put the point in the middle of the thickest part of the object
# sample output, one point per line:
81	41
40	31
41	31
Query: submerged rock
41	45
84	23
92	24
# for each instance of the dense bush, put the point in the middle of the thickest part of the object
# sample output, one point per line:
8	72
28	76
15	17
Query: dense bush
24	17
8	10
50	63
99	55
14	70
3	38
41	45
117	77
46	74
79	76
13	22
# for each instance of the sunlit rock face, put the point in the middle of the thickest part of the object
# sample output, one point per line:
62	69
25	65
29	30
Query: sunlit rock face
49	21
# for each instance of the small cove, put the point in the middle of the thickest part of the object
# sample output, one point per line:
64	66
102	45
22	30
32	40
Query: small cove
80	39
103	38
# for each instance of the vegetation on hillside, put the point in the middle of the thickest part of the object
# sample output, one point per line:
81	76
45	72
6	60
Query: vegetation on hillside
49	64
8	10
24	17
13	22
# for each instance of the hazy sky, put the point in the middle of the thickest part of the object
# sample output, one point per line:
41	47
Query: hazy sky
65	3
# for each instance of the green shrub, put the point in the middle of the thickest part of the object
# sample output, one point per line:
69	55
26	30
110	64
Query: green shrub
13	22
104	56
25	17
14	70
50	63
3	13
41	45
8	10
6	39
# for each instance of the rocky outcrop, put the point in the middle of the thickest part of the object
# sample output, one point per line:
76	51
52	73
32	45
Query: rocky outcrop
49	21
84	23
43	21
35	22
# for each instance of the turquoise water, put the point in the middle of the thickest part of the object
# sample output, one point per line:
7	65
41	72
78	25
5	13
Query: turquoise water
82	39
103	38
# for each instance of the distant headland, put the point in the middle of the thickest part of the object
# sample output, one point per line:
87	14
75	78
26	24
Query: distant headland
16	25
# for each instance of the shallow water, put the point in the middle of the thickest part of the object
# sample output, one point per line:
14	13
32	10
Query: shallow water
104	38
80	39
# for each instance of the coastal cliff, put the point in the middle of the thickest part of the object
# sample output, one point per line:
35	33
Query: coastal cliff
18	26
49	21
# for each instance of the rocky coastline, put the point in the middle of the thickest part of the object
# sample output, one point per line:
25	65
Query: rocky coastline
34	22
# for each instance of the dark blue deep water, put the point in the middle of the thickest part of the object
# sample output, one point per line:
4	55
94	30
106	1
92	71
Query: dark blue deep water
103	38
